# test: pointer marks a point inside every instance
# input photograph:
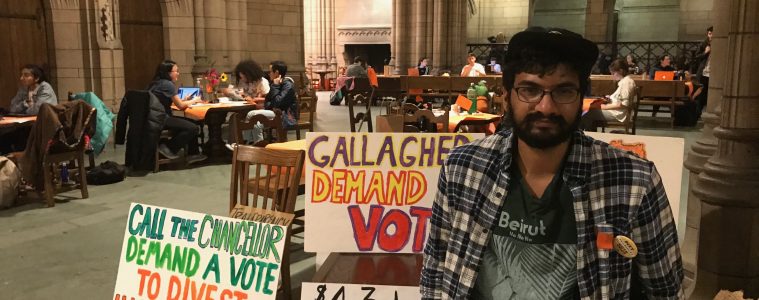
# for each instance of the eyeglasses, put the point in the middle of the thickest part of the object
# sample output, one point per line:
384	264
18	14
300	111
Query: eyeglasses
562	95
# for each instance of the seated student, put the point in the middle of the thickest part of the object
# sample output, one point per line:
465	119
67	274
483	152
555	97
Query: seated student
616	109
357	69
495	68
424	67
281	95
250	79
665	64
473	68
34	91
184	132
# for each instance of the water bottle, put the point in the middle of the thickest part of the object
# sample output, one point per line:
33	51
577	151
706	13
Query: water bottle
64	173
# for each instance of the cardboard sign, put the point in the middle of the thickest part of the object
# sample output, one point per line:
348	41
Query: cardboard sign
313	290
261	215
173	254
373	192
665	152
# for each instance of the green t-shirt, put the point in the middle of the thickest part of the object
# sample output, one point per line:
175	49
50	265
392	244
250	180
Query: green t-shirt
532	253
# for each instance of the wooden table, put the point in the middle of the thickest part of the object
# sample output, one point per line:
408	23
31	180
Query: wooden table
290	145
293	145
323	79
371	268
13	122
394	123
213	116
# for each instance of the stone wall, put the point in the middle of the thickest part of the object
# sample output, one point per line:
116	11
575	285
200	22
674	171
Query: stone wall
648	20
275	32
494	16
695	17
568	14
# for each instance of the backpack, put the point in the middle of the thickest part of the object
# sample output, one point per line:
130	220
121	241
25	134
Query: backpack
106	173
336	97
10	178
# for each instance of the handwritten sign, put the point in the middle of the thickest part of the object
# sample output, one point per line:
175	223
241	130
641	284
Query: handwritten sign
173	254
261	215
327	291
665	152
373	192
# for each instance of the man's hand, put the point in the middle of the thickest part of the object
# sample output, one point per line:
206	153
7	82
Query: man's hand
708	49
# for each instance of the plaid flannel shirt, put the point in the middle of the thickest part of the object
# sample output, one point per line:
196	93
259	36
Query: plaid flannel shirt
609	186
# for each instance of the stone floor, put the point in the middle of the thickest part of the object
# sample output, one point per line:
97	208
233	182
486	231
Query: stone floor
71	251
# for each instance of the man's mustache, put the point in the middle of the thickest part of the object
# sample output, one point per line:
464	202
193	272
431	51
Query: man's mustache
539	116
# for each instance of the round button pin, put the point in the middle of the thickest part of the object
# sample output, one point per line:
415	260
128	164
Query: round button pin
625	246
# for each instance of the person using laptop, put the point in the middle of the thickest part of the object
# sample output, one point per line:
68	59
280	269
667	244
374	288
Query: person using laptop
184	133
33	92
616	108
665	64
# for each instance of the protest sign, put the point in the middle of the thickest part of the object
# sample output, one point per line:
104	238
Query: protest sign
173	254
313	290
373	192
665	152
261	215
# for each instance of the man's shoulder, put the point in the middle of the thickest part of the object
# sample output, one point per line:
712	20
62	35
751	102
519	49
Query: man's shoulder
480	154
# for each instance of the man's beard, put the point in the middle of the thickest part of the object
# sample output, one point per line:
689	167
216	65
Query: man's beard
544	139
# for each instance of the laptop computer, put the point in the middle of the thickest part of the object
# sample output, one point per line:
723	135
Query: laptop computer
192	91
664	75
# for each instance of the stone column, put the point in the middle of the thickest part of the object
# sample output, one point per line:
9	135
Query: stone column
182	35
706	145
108	60
237	21
88	56
597	17
441	38
200	59
64	23
216	33
728	244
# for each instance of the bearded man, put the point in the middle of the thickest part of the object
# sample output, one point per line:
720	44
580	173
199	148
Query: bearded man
543	211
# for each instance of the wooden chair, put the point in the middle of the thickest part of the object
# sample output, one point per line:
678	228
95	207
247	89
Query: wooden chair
74	156
276	188
632	112
361	94
665	93
306	109
271	127
424	120
159	161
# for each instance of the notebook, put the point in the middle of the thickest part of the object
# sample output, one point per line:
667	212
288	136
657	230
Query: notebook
664	75
193	91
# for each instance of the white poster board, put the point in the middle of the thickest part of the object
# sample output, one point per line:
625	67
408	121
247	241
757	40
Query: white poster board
667	154
373	192
313	290
174	254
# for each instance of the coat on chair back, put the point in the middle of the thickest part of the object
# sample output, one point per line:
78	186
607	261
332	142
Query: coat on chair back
146	117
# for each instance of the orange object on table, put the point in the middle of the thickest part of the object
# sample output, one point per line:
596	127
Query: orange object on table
17	121
454	121
198	112
588	102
